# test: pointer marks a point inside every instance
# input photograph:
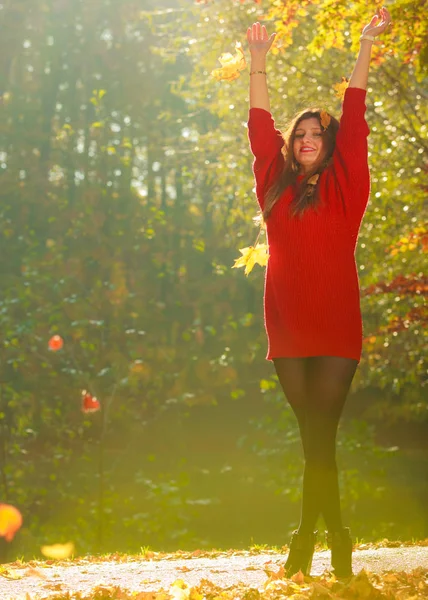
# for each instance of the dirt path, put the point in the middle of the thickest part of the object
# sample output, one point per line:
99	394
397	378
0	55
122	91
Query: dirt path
136	574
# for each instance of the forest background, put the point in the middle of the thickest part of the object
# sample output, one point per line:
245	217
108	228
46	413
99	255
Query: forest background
126	194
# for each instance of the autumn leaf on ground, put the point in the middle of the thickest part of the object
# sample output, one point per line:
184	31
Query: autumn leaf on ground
361	587
58	550
273	575
10	574
10	521
341	87
298	578
35	573
231	65
180	590
251	256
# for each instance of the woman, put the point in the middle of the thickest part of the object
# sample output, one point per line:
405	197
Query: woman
312	185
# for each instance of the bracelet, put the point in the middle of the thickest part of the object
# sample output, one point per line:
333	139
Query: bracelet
252	72
367	37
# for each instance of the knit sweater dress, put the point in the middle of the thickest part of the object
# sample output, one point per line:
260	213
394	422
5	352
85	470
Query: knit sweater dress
311	294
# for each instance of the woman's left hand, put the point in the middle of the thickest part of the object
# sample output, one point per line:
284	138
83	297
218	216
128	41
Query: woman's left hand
372	28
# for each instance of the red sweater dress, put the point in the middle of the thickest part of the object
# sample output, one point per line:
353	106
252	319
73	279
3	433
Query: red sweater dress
311	295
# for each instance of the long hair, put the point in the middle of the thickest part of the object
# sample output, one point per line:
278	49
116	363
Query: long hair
307	195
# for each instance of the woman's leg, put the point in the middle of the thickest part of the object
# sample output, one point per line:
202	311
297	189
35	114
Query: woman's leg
329	381
293	376
316	388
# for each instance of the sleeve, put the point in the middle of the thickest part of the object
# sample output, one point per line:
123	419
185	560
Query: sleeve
350	156
266	143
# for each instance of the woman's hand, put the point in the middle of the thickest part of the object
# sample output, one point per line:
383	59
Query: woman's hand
259	42
372	28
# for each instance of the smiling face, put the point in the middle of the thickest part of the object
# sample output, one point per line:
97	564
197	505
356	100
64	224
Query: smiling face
308	146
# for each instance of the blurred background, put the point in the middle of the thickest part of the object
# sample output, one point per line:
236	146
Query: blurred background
126	194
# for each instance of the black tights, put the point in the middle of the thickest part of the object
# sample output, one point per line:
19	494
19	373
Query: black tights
316	388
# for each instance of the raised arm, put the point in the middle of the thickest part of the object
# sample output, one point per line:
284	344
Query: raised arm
360	73
350	156
259	44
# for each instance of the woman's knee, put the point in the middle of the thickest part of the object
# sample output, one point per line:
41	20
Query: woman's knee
320	438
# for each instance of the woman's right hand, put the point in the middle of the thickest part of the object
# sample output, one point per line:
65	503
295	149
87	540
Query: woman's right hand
259	42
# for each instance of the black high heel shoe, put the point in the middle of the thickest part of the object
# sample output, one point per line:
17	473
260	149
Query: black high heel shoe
340	544
299	558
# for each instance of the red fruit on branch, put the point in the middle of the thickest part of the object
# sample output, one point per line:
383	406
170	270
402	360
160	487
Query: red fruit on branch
89	403
56	343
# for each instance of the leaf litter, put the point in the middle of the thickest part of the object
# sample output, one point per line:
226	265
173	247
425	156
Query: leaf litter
367	585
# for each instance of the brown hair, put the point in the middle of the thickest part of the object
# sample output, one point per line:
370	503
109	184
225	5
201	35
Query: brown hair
307	195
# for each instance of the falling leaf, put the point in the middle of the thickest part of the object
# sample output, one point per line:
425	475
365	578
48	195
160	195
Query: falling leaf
89	403
251	256
10	521
56	343
58	550
341	88
231	65
325	119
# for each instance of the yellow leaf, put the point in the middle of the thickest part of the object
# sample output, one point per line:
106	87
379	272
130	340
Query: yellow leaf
231	65
312	180
251	256
58	550
179	590
325	119
390	578
9	574
341	88
298	578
